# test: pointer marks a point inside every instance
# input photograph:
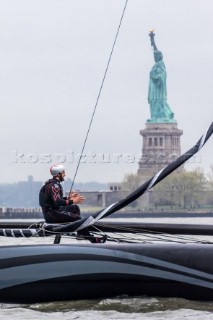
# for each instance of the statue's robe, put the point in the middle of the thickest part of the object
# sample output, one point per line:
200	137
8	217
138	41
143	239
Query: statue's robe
157	96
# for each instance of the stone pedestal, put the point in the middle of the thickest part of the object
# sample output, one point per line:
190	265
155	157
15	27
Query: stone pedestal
161	145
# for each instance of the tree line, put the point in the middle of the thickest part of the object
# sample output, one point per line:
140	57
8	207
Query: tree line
184	190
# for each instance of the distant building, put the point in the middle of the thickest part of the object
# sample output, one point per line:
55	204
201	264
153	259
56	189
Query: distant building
104	198
27	193
114	186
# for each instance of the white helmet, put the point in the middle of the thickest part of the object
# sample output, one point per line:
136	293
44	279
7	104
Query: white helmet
56	169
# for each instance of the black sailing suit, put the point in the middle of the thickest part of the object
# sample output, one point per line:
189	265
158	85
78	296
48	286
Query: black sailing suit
58	209
55	207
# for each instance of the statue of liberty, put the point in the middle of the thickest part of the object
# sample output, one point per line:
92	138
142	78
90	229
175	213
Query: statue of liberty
157	96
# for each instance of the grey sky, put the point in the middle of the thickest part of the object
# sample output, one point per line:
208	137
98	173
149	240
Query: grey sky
53	55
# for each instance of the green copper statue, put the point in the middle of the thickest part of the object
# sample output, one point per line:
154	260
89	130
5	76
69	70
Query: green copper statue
157	97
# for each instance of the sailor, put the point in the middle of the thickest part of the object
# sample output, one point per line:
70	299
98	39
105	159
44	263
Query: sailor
55	207
59	209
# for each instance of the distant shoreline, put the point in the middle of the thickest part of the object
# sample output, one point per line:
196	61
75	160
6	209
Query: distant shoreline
164	214
157	214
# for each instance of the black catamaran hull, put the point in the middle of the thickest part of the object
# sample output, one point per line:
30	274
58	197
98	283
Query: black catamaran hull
23	229
63	272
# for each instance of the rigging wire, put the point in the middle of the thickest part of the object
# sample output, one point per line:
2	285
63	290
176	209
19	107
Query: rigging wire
99	94
156	235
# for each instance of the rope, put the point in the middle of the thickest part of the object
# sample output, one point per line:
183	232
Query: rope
154	235
99	94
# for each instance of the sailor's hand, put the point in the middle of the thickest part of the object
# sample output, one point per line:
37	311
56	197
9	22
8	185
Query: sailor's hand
73	194
77	198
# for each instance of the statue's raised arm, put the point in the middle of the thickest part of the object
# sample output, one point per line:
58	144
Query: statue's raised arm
157	97
152	39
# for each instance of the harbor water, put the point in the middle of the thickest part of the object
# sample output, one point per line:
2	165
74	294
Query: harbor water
122	307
